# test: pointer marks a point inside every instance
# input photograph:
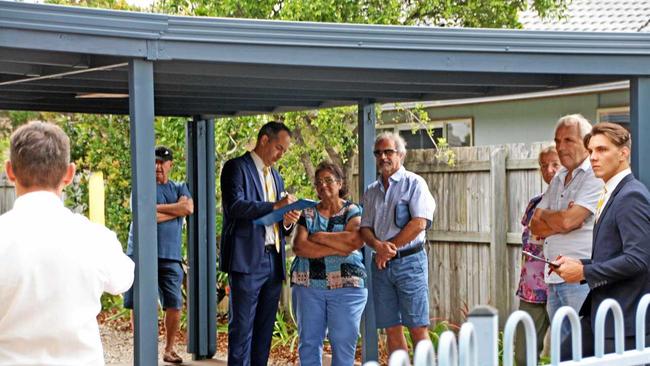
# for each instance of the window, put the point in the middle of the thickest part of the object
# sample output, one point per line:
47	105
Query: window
620	115
458	132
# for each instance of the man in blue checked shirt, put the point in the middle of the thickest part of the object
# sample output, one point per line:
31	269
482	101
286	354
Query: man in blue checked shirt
397	209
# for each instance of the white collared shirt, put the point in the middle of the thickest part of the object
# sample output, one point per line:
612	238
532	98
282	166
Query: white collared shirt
584	190
259	164
612	183
55	265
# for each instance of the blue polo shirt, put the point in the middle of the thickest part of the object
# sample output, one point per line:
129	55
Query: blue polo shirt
169	232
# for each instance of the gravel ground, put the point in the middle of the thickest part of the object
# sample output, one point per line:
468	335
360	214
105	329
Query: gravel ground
118	347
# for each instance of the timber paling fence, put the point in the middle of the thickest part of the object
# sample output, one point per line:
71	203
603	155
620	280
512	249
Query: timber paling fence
7	194
474	244
478	340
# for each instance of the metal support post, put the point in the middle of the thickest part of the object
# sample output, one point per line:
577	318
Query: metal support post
141	107
640	127
367	174
201	239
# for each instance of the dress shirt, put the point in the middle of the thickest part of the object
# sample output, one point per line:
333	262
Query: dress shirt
55	267
379	205
259	165
612	183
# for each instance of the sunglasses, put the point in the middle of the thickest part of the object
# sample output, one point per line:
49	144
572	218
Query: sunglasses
387	152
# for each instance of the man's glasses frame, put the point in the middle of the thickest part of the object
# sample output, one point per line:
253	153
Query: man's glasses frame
329	181
387	152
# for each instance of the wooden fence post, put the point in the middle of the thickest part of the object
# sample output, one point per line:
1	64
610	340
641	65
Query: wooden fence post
498	232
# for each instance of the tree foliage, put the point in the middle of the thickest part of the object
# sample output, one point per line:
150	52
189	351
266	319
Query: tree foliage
459	13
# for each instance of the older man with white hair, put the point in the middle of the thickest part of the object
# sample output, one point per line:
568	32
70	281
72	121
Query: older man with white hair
565	217
397	209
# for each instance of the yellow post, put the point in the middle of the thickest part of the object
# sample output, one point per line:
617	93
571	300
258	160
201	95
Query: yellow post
96	197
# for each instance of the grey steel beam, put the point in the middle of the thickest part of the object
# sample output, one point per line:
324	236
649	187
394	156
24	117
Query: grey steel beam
640	127
36	57
63	109
201	239
367	174
53	40
303	73
61	74
141	109
398	58
187	93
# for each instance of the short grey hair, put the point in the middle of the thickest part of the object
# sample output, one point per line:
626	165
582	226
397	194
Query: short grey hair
39	153
400	144
578	120
547	150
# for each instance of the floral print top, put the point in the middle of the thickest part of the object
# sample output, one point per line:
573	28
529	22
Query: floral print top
333	271
532	287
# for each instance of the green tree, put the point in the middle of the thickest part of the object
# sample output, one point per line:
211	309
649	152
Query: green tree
460	13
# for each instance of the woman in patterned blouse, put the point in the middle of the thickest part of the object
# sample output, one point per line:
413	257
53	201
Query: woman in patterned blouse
328	276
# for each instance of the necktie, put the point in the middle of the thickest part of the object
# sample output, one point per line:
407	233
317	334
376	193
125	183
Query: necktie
601	201
270	197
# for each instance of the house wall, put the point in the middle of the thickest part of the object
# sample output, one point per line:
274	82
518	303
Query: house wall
528	120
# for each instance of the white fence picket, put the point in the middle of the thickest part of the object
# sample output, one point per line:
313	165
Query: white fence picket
470	347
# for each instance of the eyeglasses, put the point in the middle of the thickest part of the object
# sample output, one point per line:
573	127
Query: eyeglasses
328	181
387	152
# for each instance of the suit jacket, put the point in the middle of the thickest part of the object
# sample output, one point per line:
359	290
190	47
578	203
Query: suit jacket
619	267
242	242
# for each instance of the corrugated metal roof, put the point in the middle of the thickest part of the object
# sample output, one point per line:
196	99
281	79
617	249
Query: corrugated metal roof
236	66
595	16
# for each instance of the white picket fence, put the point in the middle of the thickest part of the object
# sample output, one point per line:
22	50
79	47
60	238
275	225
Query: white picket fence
478	340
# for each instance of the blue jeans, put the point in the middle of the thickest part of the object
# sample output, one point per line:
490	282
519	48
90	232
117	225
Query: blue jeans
565	294
335	312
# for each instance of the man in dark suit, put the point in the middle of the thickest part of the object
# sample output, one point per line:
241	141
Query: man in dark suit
253	255
619	267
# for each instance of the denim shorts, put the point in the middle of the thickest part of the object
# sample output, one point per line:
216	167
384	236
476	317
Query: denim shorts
401	292
170	282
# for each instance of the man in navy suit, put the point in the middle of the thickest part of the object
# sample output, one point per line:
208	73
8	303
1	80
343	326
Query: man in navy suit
253	255
619	267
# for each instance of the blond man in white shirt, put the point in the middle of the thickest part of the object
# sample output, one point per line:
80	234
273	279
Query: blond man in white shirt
55	264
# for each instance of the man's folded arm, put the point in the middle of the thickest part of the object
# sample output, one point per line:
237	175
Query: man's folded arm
183	207
547	222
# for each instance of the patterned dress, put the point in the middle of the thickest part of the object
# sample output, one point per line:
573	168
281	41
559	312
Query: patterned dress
532	287
334	271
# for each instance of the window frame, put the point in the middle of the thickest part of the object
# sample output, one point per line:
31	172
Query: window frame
600	111
435	123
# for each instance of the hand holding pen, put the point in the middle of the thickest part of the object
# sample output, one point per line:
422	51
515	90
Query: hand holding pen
290	217
286	199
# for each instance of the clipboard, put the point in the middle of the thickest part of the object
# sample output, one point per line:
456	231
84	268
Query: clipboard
277	215
533	256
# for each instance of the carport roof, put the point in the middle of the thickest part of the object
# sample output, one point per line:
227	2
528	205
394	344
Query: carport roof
216	66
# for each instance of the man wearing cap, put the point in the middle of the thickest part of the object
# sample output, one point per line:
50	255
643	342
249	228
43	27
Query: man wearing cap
173	203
